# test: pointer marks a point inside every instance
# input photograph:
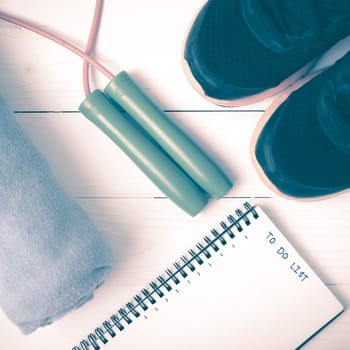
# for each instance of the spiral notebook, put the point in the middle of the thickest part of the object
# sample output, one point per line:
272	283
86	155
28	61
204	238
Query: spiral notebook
242	287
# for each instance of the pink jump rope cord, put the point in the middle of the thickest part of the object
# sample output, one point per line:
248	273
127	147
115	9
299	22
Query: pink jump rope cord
90	44
85	55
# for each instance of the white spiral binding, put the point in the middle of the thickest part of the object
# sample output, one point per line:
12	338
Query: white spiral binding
165	282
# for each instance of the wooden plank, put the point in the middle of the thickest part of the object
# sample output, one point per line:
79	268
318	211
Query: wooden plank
148	44
158	234
89	164
147	237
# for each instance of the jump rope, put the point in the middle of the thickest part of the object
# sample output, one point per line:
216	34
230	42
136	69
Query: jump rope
170	159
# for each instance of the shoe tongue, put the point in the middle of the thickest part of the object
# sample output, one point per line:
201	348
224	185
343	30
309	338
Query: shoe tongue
282	25
333	109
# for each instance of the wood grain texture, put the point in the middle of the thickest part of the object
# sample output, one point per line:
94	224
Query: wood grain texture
42	83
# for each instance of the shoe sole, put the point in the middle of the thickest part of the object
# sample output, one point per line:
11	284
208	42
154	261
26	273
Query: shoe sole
258	129
245	100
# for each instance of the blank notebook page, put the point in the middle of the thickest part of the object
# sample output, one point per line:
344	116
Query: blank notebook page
255	292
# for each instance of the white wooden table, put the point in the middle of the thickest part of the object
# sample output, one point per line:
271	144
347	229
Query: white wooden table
42	83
